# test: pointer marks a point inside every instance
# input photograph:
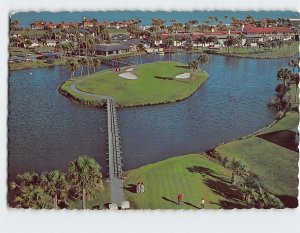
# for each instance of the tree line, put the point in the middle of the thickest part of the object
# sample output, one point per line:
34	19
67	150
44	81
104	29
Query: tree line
74	64
53	189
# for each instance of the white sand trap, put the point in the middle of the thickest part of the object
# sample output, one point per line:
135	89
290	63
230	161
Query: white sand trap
184	75
129	69
128	75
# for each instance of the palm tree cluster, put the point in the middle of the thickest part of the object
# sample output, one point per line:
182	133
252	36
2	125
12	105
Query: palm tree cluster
275	43
74	64
51	189
254	193
14	24
287	77
202	59
280	22
236	42
251	190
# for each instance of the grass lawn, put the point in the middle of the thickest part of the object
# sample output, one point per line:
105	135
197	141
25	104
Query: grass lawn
15	51
100	199
34	64
276	166
262	53
294	94
155	84
193	175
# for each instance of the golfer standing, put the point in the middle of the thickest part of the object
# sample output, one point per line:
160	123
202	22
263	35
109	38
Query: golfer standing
180	197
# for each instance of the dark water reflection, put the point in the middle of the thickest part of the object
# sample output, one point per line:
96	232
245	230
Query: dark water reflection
46	130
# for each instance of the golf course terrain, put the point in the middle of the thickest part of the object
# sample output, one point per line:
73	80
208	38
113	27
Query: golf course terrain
156	83
193	175
273	155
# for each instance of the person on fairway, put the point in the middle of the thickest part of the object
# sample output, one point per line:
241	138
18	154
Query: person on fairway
180	197
138	188
202	203
142	187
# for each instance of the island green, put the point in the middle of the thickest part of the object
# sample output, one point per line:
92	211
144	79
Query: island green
156	84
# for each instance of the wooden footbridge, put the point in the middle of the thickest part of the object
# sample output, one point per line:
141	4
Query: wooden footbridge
114	154
114	148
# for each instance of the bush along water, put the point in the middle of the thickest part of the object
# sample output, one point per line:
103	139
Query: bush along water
282	99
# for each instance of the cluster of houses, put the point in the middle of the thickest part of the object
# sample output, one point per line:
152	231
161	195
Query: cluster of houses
125	43
247	33
86	23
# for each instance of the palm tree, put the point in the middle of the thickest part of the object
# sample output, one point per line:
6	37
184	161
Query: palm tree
89	64
81	62
187	27
14	24
211	39
282	96
169	44
291	64
203	59
152	38
158	24
140	48
85	177
235	167
273	44
284	75
247	44
72	65
90	42
55	185
27	192
96	63
193	64
229	42
294	63
203	40
84	62
189	49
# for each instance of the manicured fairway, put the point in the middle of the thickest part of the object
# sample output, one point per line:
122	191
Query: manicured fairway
156	84
193	175
276	166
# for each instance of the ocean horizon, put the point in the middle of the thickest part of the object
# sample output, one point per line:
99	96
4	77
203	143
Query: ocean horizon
26	18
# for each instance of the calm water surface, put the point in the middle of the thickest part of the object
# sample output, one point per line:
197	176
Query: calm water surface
47	130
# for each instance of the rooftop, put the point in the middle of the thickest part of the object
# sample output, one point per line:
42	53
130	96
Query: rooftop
267	30
111	47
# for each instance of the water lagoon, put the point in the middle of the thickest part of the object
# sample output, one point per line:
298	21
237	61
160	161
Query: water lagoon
47	130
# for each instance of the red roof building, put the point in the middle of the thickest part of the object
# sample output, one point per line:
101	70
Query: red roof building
248	29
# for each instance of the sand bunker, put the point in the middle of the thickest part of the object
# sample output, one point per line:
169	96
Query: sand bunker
184	75
128	75
129	69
